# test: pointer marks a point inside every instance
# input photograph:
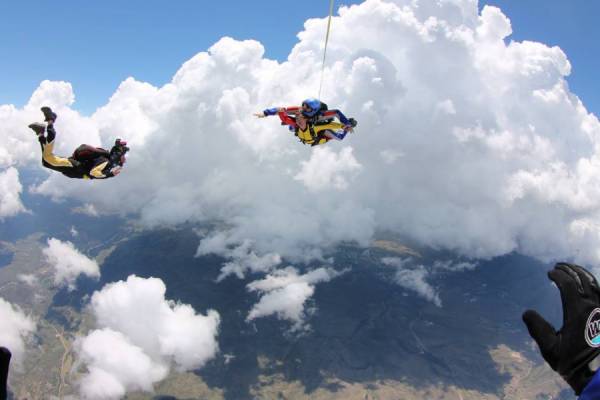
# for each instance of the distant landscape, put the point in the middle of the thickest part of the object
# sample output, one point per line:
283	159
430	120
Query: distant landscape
366	336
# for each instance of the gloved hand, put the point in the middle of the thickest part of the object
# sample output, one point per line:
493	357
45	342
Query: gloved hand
115	171
570	350
4	362
351	125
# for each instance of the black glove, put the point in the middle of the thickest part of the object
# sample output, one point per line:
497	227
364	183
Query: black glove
4	361
577	343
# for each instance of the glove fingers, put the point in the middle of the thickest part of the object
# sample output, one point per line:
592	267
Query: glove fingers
571	289
588	281
544	335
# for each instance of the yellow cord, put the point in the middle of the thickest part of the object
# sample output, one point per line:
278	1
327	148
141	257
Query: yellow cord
325	49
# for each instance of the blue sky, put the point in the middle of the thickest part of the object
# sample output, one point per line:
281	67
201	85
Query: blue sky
96	45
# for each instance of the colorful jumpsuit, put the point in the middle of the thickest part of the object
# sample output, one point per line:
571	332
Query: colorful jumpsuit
95	167
319	129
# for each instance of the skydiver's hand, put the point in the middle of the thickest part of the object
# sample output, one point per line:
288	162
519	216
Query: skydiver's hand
571	351
116	171
260	114
348	128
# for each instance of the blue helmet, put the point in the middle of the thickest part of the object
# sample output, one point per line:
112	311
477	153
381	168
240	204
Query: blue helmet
310	107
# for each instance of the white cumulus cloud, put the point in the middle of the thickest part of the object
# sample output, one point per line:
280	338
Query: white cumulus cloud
467	141
86	209
285	292
241	257
115	366
16	327
454	266
138	324
327	169
413	277
28	279
69	263
10	193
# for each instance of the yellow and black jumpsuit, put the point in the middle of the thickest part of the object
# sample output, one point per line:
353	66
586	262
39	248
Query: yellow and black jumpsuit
96	166
320	133
314	133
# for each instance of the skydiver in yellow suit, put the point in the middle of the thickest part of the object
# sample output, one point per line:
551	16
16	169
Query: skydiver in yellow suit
87	162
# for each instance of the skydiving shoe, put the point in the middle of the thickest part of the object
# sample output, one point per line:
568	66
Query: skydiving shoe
38	128
49	115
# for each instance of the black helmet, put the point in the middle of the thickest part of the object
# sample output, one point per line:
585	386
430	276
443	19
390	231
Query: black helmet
117	153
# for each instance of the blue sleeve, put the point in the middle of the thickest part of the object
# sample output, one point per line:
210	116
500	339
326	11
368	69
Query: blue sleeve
592	390
339	135
270	111
342	117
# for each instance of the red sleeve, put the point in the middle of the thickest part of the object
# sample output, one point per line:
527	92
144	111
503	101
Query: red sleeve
286	119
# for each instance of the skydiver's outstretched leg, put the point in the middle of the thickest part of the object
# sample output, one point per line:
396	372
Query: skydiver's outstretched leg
48	156
49	159
4	362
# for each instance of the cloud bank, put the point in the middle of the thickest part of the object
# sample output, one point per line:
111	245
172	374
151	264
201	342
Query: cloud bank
69	263
140	336
467	141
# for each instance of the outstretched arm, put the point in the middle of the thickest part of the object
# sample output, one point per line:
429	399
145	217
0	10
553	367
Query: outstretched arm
286	119
275	110
98	171
105	169
338	114
268	112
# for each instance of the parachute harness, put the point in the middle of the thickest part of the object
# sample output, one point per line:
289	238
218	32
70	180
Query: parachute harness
325	49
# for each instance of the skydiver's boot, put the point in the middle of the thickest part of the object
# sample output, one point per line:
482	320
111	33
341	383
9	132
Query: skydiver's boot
49	115
38	128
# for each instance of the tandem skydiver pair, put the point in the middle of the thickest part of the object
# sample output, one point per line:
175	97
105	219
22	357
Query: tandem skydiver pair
313	123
